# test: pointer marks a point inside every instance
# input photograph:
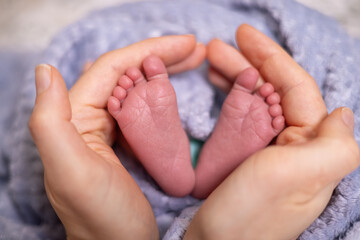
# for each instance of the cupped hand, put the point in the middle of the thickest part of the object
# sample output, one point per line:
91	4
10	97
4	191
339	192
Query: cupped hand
279	191
91	192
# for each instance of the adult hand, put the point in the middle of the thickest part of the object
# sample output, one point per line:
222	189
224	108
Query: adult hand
279	191
92	193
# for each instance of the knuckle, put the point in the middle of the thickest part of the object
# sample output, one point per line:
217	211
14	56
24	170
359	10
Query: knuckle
351	153
38	121
355	152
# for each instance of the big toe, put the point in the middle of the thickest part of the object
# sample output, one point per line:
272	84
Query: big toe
154	68
247	79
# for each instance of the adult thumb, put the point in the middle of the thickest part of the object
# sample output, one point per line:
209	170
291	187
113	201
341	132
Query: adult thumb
60	146
52	101
339	124
336	134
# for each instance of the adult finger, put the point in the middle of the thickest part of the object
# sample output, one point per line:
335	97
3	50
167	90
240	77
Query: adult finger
226	59
61	148
324	160
191	62
300	96
96	85
219	80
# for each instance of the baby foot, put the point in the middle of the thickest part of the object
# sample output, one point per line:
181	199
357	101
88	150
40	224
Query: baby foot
145	109
248	122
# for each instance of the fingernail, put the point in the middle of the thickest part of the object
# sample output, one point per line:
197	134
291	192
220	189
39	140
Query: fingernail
42	77
348	117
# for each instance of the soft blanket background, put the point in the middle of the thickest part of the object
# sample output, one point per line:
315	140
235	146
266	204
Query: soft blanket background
316	42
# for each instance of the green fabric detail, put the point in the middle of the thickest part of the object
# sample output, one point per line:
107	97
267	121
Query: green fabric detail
195	147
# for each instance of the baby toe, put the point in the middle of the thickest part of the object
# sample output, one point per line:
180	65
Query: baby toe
275	110
135	75
247	79
126	83
114	106
273	98
278	124
119	93
154	68
266	90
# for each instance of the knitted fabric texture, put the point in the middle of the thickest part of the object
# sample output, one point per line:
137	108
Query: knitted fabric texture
316	42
